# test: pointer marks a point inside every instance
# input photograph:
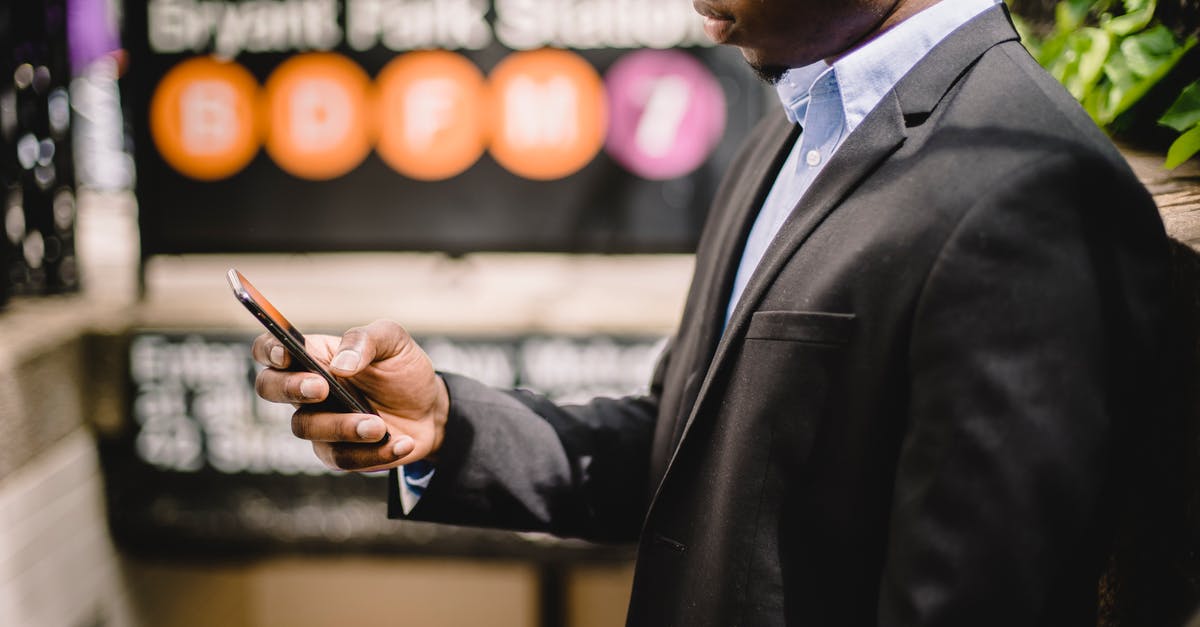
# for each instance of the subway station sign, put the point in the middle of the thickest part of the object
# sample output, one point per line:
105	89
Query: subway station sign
207	468
451	125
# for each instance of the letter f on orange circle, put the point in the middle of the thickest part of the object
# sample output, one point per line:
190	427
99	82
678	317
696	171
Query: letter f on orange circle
430	108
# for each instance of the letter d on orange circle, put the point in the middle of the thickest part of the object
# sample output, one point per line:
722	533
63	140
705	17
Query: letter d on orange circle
203	118
318	127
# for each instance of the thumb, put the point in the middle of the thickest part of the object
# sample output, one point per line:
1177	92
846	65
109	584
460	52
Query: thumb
362	346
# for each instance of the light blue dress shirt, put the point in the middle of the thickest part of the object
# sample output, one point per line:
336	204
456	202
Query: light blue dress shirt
830	101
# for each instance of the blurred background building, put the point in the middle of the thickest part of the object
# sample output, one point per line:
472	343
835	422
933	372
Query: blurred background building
519	182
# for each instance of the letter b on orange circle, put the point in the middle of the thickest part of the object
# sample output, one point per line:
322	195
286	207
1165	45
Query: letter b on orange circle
430	107
550	113
204	119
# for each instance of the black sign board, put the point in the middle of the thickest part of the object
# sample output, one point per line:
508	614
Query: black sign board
438	125
206	468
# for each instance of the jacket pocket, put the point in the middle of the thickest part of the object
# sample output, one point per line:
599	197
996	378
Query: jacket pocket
790	375
815	327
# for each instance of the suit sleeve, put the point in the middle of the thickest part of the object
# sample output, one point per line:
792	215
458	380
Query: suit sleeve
512	459
1032	369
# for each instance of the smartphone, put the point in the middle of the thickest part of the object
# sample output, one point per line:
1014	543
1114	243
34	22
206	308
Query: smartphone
343	397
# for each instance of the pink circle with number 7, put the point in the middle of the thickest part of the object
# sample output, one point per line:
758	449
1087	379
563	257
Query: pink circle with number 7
666	113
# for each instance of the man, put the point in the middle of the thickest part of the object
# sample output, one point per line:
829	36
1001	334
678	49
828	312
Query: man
918	341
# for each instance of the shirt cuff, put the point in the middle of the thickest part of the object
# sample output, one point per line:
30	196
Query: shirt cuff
414	478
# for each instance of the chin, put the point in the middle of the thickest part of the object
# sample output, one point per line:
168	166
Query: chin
766	70
771	74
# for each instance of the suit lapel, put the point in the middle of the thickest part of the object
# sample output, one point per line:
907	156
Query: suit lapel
879	135
713	280
734	228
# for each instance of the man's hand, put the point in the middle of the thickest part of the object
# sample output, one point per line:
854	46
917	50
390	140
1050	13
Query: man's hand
383	361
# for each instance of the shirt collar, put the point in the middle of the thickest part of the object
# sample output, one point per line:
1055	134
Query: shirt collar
865	75
794	88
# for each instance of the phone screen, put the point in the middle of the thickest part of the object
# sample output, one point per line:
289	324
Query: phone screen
343	397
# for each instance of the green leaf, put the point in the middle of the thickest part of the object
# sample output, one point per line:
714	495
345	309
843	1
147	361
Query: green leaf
1140	61
1096	102
1184	113
1093	50
1051	49
1146	51
1129	85
1183	149
1080	62
1069	15
1120	80
1138	14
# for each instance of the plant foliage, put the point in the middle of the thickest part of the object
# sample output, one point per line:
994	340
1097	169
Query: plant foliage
1109	55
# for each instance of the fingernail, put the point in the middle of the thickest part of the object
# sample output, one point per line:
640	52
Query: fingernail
403	446
276	356
346	360
370	428
310	387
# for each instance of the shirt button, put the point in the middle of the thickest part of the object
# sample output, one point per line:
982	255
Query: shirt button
813	158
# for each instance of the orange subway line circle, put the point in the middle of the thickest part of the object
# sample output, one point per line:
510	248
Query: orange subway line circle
318	126
204	118
430	115
431	111
550	113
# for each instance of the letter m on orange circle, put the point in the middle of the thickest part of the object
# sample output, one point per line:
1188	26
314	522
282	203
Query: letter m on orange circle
550	111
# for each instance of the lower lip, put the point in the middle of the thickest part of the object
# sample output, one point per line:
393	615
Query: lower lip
717	29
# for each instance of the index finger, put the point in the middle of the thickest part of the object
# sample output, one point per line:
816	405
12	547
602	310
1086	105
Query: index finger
268	351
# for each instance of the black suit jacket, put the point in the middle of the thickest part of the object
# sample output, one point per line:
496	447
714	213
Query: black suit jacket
915	411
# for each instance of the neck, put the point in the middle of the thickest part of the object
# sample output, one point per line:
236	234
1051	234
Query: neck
899	11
